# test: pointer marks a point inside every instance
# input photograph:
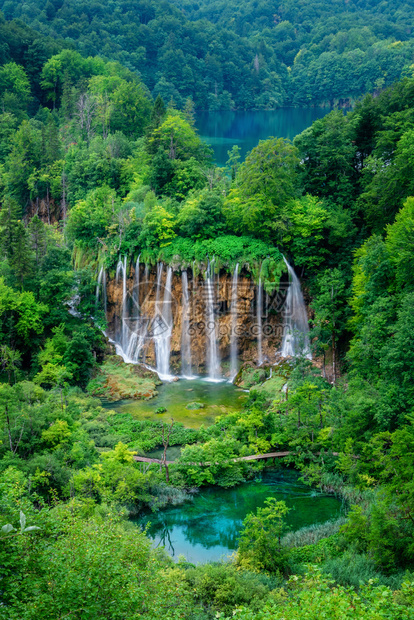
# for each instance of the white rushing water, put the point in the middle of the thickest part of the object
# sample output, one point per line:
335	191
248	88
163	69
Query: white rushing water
125	330
137	325
120	327
135	294
98	284
233	324
213	359
105	299
185	329
295	327
259	325
162	326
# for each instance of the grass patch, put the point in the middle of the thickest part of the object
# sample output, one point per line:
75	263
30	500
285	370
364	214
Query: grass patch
312	534
270	388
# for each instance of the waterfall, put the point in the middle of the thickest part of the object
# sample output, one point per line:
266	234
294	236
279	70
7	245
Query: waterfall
160	267
259	326
213	360
295	326
163	323
135	295
185	329
105	298
124	307
123	337
233	325
118	271
118	328
136	341
98	284
137	332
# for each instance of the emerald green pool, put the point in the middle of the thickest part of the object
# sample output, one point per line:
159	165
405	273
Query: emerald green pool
207	528
217	398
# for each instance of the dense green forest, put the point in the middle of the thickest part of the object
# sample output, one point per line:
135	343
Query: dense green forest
235	55
93	166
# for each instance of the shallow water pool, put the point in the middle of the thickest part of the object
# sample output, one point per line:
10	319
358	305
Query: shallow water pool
217	398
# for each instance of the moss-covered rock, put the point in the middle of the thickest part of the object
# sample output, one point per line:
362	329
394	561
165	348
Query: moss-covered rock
195	405
116	380
250	375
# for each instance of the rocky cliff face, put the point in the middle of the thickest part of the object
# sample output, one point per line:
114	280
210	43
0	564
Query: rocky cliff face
139	313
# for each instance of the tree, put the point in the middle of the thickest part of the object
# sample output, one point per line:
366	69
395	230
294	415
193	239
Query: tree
400	244
157	114
38	238
90	219
266	181
176	137
78	359
14	89
9	361
201	215
387	182
306	219
187	176
329	309
162	171
24	159
233	162
55	376
260	538
158	227
21	258
131	108
328	158
21	317
10	215
13	415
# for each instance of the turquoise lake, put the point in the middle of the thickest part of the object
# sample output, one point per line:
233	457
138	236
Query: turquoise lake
207	528
222	130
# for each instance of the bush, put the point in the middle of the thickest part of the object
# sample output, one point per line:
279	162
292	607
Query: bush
354	569
223	587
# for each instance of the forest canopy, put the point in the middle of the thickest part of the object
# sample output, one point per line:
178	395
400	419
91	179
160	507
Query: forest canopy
226	55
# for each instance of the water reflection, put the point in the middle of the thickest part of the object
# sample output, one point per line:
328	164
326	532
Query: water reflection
208	527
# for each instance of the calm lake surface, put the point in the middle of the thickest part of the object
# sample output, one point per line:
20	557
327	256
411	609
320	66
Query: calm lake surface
207	529
222	130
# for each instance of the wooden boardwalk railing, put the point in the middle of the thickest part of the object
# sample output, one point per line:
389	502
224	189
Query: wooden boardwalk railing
252	457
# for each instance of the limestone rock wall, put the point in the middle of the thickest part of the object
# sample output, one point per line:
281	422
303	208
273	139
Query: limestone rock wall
143	303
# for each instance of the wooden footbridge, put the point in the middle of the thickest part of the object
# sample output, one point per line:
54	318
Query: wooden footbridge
252	457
